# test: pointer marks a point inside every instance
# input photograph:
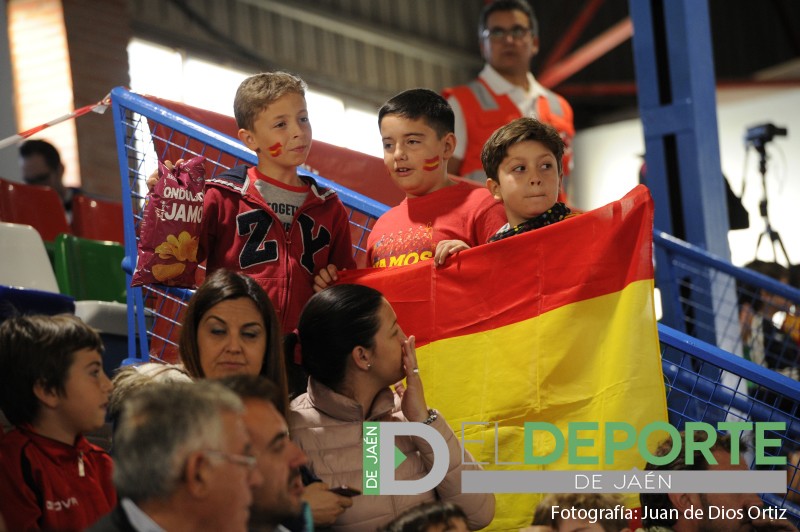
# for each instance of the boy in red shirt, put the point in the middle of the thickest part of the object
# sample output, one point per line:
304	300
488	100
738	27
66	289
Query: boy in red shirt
53	389
439	214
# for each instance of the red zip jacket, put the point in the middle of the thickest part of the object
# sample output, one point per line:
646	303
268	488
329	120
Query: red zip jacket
48	485
243	234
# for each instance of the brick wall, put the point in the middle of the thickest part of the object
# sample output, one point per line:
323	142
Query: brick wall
41	73
98	35
66	54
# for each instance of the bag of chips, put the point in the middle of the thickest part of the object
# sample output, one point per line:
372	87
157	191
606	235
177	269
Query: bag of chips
171	226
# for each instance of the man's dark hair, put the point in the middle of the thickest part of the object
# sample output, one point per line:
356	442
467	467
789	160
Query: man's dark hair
656	502
38	350
43	148
254	387
750	293
508	5
794	275
414	104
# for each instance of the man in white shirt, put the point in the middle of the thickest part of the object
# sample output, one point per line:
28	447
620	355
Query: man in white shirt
505	89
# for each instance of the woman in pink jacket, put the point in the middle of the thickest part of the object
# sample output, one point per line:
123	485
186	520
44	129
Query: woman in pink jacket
353	350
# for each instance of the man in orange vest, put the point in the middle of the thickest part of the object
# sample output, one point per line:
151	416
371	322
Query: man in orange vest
505	89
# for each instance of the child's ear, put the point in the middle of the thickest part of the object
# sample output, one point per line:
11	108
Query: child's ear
248	139
449	146
494	188
46	394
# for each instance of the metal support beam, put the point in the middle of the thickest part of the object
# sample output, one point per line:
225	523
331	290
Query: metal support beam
575	30
586	54
677	103
625	88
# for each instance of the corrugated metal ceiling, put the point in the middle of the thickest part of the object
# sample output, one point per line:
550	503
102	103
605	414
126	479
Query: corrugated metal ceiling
367	50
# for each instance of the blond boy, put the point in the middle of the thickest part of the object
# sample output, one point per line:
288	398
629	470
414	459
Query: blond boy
271	221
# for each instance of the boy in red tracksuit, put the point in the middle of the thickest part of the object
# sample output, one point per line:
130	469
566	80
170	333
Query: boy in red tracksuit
53	389
270	221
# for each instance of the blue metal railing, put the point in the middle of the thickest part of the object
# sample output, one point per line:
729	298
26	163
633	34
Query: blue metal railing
743	325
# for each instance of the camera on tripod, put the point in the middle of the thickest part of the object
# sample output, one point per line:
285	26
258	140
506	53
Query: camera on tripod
759	135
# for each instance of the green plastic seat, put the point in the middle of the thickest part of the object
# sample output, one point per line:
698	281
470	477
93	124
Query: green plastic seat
90	269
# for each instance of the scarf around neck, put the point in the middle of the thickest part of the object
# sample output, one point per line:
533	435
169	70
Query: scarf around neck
554	214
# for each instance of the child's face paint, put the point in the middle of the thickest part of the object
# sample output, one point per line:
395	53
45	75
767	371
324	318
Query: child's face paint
282	133
429	165
413	153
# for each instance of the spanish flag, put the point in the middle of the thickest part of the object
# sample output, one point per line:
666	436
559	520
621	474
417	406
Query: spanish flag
556	325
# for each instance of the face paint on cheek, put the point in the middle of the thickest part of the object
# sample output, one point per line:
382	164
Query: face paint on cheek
276	149
431	164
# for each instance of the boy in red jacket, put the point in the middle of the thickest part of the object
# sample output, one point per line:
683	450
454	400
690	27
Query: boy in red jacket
272	221
53	389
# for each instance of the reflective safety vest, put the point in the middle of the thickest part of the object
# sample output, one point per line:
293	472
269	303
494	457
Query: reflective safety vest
485	111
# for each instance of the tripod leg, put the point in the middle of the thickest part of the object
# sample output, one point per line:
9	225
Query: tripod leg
777	238
758	243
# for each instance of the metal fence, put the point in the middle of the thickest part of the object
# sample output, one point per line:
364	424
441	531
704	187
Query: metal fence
740	310
707	384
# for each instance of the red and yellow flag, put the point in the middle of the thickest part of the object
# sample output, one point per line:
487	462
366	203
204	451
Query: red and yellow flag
554	325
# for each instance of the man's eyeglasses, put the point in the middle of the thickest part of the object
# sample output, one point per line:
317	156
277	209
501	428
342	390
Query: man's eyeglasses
499	34
239	459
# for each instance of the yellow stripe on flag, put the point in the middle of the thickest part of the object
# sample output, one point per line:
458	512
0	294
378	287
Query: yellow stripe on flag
556	325
533	371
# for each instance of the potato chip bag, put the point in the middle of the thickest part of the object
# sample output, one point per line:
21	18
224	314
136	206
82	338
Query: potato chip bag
171	226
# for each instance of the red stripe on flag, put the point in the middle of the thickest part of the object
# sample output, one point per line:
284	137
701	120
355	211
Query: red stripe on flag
594	254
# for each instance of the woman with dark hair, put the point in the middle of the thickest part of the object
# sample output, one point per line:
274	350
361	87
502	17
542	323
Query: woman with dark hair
353	350
231	328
